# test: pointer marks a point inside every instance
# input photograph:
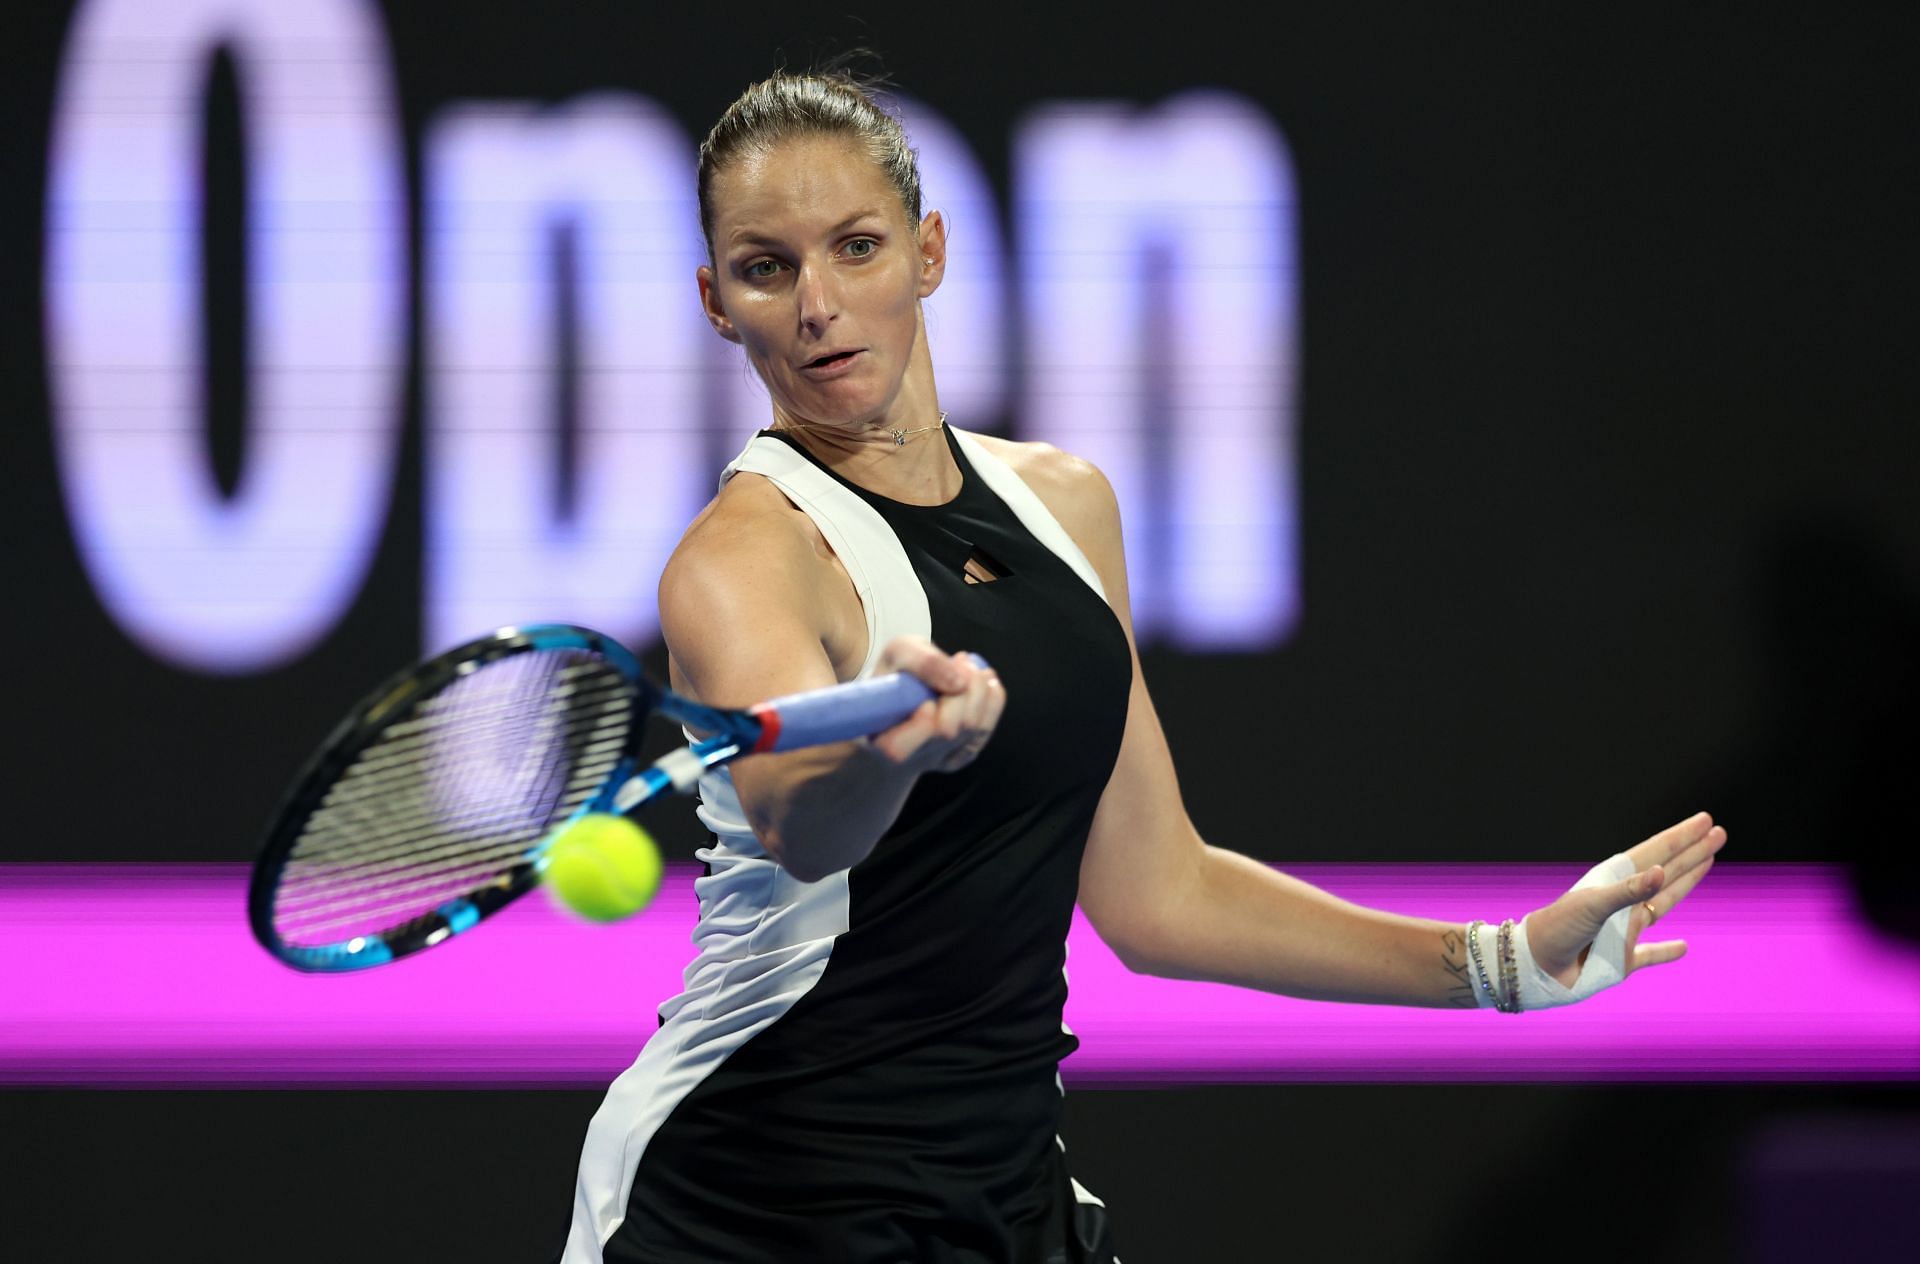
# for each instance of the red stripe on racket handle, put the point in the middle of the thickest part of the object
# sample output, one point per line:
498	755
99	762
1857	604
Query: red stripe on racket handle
839	712
769	716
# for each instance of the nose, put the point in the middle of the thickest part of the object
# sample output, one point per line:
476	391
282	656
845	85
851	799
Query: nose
816	298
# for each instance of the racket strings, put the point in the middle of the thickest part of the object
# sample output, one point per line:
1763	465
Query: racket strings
311	888
340	836
408	741
426	866
377	809
455	796
409	829
458	763
429	765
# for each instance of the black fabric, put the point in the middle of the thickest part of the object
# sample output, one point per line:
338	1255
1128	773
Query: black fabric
905	1108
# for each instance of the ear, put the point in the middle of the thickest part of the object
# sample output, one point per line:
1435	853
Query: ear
933	252
710	304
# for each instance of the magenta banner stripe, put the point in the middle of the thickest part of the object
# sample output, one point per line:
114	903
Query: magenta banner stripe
146	975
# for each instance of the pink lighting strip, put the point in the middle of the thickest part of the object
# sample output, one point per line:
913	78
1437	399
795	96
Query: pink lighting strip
146	975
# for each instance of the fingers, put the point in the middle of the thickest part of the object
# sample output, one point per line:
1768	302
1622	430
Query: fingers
967	720
949	731
1676	890
921	658
900	742
1670	842
1692	850
1684	869
1697	853
1603	902
1659	954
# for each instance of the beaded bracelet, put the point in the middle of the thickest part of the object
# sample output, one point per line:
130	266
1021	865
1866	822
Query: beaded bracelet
1479	966
1509	969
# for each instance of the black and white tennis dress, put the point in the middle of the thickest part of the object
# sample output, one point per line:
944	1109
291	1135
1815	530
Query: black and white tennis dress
865	1069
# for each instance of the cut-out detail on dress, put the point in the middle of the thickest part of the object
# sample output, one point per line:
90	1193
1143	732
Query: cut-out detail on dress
981	568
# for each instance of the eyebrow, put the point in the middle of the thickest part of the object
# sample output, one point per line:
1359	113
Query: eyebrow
743	237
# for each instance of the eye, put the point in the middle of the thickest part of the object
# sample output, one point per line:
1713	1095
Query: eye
861	247
761	269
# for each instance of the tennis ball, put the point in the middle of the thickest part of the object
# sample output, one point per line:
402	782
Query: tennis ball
603	867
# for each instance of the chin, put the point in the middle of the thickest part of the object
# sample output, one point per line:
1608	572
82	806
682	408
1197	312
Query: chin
836	408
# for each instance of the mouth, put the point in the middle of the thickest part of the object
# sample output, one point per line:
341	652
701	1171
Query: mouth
831	360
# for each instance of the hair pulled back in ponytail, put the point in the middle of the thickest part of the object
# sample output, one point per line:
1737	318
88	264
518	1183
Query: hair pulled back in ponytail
827	102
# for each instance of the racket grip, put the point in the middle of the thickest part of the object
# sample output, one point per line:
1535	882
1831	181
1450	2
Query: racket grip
836	713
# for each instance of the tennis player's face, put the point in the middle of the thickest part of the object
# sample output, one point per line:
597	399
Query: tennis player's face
818	274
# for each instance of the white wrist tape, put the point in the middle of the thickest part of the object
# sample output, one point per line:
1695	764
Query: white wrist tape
1606	962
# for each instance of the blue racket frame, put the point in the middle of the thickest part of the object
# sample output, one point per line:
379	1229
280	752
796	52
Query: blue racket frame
833	714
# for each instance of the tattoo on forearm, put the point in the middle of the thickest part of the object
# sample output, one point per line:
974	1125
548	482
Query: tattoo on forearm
1453	959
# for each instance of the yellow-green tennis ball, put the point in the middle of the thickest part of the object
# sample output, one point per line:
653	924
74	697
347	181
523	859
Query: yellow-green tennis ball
603	867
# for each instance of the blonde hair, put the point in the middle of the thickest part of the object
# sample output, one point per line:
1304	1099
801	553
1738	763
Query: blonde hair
818	103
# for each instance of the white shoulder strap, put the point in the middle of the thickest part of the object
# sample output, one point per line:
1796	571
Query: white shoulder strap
889	591
1027	507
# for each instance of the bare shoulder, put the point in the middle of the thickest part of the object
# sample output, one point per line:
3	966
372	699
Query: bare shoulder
1072	488
748	550
749	519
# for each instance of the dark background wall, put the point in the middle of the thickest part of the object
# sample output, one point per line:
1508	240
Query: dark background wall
1608	513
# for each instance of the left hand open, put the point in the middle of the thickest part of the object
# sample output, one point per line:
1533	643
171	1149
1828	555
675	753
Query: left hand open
1665	868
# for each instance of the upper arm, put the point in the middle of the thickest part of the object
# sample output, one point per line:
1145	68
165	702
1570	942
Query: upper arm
747	615
741	610
1143	853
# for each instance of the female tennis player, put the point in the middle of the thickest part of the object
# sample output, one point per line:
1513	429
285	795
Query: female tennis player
863	1064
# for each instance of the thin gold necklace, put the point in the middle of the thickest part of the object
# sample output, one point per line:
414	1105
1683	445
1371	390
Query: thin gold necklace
900	436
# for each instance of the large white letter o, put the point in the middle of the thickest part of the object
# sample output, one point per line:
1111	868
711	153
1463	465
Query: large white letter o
214	583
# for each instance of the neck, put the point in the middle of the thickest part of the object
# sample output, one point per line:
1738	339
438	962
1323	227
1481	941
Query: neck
901	454
908	463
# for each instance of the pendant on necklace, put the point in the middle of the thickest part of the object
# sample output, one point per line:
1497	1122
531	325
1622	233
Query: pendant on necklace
899	437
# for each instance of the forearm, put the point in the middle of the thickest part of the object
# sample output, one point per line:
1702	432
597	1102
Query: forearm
1240	922
820	810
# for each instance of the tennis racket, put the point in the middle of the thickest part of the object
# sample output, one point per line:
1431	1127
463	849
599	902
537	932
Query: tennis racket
431	806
